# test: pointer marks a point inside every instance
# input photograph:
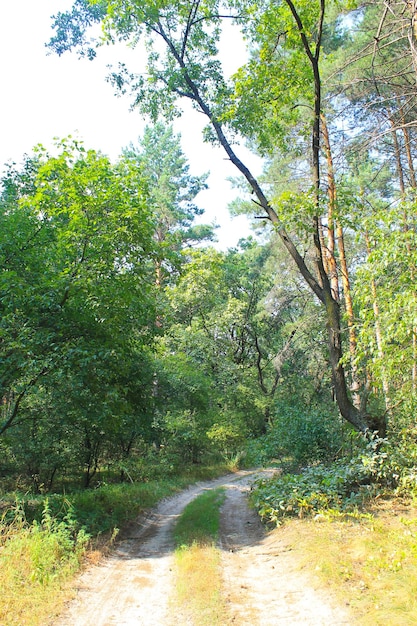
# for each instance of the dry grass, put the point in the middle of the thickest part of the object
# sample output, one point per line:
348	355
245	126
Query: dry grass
198	585
30	593
370	563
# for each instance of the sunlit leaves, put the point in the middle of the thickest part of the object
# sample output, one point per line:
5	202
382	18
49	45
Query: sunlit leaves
388	300
274	90
72	26
75	284
181	39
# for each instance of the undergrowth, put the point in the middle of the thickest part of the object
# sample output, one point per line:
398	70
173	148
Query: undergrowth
339	488
37	558
108	506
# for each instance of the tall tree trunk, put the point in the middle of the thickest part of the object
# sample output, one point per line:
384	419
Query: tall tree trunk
347	409
413	184
397	154
407	145
329	250
320	284
347	292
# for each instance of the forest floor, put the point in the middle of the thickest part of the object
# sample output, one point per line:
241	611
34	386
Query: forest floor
264	581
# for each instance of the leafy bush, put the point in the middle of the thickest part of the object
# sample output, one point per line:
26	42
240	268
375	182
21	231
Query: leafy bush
227	436
308	435
400	466
341	486
299	436
264	450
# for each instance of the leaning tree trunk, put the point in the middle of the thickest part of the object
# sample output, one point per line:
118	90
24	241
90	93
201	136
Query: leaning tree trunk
347	408
319	283
329	255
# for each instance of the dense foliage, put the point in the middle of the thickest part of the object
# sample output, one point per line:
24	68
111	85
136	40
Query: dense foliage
129	344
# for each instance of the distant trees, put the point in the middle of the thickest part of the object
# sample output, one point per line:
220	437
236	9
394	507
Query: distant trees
171	195
238	348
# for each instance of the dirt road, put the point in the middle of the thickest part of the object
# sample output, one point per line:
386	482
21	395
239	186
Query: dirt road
262	583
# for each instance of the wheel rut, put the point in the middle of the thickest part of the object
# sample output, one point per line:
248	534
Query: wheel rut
262	583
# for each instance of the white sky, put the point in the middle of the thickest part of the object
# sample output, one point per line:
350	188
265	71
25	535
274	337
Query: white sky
46	96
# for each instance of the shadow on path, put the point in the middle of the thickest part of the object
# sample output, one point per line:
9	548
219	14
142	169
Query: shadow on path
262	583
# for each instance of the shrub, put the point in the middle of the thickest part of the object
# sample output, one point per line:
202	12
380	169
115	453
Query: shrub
299	436
341	486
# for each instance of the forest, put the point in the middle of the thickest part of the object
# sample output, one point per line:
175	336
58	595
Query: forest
131	348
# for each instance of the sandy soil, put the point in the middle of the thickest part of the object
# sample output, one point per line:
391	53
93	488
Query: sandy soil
263	583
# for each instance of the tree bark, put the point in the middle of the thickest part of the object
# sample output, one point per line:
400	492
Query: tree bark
407	145
329	253
397	153
347	292
378	334
413	184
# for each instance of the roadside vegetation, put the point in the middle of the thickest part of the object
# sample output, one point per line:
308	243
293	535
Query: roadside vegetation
352	524
368	559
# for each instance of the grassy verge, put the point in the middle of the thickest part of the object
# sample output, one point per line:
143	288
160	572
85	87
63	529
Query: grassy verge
369	563
43	542
35	562
198	569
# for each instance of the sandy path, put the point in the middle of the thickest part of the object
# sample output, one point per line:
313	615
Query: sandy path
263	583
132	587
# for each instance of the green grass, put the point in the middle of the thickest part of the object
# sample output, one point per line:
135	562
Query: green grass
200	520
35	561
101	510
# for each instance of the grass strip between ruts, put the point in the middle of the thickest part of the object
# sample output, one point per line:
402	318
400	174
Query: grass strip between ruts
197	560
